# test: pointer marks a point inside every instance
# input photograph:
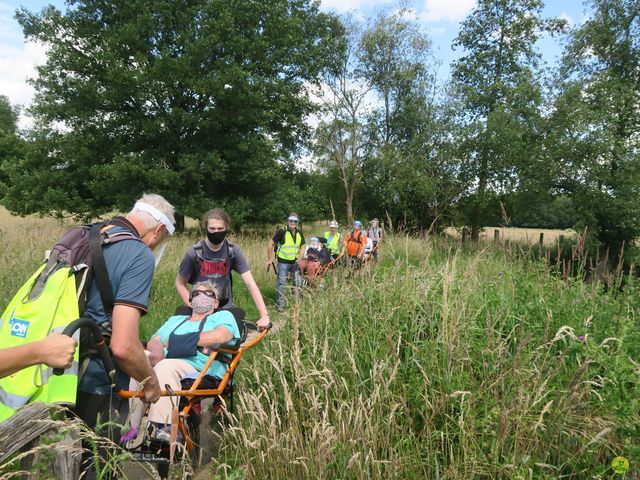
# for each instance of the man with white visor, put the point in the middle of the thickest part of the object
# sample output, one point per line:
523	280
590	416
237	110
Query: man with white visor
130	266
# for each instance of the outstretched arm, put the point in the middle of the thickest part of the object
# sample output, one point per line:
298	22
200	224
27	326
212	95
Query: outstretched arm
128	352
56	350
249	281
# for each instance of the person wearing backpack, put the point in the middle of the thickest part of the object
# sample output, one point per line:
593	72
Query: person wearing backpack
354	244
213	259
288	246
130	265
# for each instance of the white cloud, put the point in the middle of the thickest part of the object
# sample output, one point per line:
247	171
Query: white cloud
18	61
566	17
350	5
447	10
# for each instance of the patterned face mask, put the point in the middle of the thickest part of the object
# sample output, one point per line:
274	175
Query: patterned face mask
202	303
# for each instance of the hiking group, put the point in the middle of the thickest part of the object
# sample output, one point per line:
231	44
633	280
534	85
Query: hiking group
104	272
353	249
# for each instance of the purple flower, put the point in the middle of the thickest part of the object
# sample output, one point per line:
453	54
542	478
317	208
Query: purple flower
582	338
130	435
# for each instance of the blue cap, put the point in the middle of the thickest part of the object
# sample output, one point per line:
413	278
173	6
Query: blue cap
293	219
357	223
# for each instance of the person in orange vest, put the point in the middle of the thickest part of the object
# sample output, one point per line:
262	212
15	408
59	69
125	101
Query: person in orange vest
354	244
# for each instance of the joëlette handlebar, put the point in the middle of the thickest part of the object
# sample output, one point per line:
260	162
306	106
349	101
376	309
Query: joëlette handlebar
103	350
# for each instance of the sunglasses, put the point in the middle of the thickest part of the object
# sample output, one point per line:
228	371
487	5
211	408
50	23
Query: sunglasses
208	293
294	221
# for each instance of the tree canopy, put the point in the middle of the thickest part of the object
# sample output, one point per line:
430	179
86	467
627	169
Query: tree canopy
203	101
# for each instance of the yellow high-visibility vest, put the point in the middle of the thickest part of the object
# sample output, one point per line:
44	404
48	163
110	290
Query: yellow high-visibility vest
333	243
25	321
289	249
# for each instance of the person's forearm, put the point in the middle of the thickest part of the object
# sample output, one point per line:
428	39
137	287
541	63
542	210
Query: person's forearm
125	344
257	297
270	251
218	335
134	363
155	346
16	358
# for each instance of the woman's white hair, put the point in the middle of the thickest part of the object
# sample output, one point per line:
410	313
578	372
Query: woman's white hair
209	285
157	201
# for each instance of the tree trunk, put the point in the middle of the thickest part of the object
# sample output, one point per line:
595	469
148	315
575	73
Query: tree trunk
179	222
349	204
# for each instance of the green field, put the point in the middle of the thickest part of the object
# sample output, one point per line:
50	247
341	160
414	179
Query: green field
444	362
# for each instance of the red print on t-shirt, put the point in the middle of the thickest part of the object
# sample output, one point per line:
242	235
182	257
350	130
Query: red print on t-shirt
208	268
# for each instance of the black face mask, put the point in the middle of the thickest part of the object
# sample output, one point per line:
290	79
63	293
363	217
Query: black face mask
216	237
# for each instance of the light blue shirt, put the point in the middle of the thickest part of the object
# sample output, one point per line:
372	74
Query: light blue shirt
222	318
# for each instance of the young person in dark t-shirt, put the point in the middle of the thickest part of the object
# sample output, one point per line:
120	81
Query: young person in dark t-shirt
212	259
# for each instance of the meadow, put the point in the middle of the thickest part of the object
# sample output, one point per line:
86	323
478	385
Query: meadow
444	362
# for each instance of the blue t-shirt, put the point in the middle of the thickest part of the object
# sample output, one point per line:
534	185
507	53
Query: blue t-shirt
222	318
130	264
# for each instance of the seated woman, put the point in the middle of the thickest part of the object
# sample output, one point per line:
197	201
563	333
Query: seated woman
179	348
316	255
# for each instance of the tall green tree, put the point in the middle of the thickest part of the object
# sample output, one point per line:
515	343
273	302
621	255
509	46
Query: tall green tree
8	116
594	138
11	145
342	140
201	100
377	138
497	80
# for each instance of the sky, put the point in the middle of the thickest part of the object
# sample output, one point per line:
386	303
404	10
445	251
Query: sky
440	19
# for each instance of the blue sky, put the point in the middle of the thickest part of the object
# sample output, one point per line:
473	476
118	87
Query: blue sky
439	18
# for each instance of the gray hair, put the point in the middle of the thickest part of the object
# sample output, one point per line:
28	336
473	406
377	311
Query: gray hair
157	201
210	285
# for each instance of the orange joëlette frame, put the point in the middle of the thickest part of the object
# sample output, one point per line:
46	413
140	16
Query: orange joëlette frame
193	394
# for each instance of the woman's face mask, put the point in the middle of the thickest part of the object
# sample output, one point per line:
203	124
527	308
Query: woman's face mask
202	303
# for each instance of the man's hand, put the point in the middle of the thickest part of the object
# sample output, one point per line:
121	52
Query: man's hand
156	351
155	357
56	350
152	390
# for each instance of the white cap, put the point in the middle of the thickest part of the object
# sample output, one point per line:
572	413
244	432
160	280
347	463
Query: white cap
333	224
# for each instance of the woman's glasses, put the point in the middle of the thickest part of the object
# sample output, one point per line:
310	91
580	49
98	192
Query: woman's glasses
208	293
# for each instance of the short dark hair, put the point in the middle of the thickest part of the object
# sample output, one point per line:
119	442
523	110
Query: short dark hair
216	214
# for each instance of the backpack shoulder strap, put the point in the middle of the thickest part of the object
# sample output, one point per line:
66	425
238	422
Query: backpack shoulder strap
99	268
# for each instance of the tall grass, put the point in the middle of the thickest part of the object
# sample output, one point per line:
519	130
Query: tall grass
443	362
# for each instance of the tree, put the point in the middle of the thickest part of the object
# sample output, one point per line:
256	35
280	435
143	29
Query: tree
594	133
203	101
379	110
8	117
341	139
497	80
11	146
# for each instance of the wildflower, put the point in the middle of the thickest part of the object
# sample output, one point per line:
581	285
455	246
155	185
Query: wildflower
131	434
582	338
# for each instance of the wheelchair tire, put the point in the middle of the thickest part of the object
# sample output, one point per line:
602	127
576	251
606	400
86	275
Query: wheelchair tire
163	470
195	455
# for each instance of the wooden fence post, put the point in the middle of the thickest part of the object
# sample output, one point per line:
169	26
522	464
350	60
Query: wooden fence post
26	428
496	235
465	234
541	241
